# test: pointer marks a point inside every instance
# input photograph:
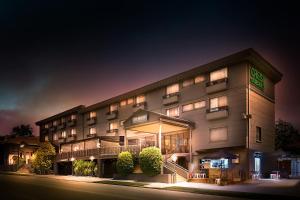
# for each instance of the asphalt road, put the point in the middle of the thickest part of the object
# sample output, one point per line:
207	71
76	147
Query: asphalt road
35	188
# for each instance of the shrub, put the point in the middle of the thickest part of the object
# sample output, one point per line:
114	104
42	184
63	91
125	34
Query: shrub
43	158
84	168
125	163
151	161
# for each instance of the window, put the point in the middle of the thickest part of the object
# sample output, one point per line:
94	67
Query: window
199	104
73	131
123	103
113	125
173	112
237	159
55	136
187	107
219	163
93	114
130	101
218	134
63	120
113	107
55	123
46	138
258	134
192	106
63	134
140	99
218	102
46	126
92	131
73	117
188	82
173	88
218	74
199	79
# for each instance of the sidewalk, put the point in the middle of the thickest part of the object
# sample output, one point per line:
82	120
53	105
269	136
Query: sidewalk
285	187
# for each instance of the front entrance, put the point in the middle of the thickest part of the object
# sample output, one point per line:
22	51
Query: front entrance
64	168
109	167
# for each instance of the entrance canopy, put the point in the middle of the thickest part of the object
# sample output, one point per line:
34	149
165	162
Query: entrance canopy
152	122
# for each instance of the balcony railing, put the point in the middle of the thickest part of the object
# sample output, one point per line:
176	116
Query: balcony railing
217	113
171	98
100	152
72	122
91	121
217	85
90	135
112	115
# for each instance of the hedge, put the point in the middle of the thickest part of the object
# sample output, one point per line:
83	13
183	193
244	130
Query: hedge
125	163
151	161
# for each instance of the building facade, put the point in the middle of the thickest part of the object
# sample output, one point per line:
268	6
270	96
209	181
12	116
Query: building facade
218	115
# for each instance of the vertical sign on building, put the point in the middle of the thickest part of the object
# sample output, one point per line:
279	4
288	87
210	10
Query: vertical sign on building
256	78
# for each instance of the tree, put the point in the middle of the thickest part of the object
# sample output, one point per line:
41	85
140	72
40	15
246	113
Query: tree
151	161
22	130
125	163
43	158
287	137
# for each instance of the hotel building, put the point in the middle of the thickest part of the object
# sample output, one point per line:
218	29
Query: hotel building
218	115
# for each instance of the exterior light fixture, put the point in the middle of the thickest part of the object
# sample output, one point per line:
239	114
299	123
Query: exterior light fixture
174	157
92	158
72	159
22	145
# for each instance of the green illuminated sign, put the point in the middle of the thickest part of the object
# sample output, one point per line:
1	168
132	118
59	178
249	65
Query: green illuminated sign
256	78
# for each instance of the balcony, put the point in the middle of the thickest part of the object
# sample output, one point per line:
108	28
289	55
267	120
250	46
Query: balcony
71	137
217	113
112	132
62	139
91	135
72	122
91	121
61	126
142	105
112	115
217	86
53	128
170	99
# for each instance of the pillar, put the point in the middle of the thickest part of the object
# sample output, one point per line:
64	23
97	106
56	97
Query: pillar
99	168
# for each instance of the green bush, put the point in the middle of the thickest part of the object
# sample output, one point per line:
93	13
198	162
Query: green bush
84	168
43	158
151	161
125	163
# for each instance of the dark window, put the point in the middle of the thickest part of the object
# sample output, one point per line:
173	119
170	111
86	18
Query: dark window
258	134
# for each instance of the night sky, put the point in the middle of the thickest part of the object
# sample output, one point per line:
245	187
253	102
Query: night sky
55	55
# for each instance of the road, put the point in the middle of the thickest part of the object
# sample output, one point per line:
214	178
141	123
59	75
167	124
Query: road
14	187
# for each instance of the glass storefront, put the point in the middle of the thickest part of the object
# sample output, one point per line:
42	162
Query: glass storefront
175	143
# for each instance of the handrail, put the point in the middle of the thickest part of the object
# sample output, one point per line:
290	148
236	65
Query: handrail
177	169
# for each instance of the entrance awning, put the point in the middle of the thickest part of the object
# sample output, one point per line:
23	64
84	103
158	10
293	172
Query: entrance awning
152	122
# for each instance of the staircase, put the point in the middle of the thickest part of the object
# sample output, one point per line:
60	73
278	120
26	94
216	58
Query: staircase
181	173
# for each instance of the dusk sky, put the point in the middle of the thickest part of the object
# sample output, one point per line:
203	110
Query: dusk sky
55	55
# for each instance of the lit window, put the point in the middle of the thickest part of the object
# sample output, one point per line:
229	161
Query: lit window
92	131
73	117
55	123
130	101
73	131
199	79
63	134
113	125
237	159
123	103
218	134
63	120
93	114
113	107
46	126
199	104
187	82
258	134
140	99
187	107
46	138
219	163
55	136
173	112
173	88
218	102
218	74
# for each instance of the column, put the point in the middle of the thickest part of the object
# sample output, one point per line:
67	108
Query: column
99	168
